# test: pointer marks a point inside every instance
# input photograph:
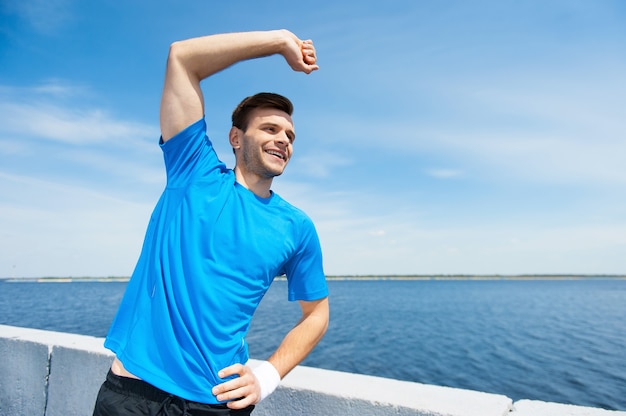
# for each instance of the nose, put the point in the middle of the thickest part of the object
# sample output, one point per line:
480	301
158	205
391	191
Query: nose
283	139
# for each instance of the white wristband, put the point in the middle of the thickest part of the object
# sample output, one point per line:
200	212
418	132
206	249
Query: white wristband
268	378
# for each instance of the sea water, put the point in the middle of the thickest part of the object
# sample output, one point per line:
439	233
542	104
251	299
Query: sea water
552	340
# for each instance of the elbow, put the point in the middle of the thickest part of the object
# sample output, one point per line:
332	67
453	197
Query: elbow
175	53
180	61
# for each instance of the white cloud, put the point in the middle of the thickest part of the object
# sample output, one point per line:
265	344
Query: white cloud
413	247
444	173
400	235
38	128
42	111
67	125
58	229
318	164
45	16
77	184
552	128
549	159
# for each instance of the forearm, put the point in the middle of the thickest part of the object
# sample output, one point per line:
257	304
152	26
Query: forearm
302	338
204	56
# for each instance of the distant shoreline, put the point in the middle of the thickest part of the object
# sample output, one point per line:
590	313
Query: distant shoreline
52	279
477	277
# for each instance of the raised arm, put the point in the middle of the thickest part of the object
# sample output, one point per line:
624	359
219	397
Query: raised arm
190	61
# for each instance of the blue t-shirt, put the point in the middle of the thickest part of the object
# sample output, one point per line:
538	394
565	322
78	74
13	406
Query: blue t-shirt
211	251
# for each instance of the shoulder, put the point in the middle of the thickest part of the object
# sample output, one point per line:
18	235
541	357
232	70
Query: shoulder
194	130
189	156
295	212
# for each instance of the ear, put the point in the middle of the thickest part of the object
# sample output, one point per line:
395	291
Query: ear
234	137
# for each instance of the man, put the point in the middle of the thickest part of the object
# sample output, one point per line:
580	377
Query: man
215	241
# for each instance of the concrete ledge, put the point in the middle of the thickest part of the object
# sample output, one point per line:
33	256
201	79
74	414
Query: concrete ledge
537	408
19	394
355	394
75	378
50	373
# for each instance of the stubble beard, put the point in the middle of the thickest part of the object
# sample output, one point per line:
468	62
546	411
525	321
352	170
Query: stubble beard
253	160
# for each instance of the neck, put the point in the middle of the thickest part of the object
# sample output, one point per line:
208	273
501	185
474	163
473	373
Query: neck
257	185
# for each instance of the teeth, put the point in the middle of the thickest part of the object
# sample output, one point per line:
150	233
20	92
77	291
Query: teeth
271	152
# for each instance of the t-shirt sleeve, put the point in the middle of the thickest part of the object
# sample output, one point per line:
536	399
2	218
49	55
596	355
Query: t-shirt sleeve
305	271
190	156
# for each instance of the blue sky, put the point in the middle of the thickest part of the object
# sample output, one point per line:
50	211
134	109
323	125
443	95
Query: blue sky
438	137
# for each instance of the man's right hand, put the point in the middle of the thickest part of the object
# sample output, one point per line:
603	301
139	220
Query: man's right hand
300	54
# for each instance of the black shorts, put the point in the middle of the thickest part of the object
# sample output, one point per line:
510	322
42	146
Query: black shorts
123	396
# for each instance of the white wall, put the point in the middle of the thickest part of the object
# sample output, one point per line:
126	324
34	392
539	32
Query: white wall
50	373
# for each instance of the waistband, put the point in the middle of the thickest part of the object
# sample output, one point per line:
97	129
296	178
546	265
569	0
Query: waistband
126	385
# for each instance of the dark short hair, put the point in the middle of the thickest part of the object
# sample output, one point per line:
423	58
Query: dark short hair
242	112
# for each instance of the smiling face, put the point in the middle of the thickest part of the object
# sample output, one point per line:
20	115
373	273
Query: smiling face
265	147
